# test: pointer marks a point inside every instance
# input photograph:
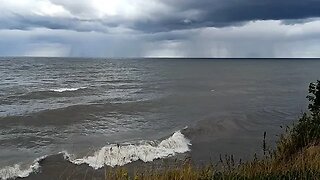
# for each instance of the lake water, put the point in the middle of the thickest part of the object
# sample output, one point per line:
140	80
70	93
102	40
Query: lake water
116	111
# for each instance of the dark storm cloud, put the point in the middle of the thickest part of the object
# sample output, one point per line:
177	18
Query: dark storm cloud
21	22
160	28
221	13
181	14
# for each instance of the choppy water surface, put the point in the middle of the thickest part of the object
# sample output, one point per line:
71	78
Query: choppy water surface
143	109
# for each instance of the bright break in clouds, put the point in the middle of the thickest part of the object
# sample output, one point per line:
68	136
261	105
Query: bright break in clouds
160	28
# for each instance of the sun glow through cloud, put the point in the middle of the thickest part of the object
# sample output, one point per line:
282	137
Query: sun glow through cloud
126	28
46	8
129	9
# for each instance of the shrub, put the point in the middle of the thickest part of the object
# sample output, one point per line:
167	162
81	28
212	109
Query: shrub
307	131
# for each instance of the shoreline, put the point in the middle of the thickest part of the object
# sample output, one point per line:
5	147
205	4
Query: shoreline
56	167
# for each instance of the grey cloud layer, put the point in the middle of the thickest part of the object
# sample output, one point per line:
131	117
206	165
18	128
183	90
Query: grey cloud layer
160	28
250	40
180	14
220	13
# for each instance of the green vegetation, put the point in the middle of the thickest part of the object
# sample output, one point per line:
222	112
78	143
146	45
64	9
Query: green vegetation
306	132
297	156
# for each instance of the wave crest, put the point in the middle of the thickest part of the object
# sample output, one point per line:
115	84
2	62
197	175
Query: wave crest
11	172
119	155
67	89
111	155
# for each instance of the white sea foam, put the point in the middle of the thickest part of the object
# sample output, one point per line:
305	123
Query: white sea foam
67	89
119	155
112	155
16	171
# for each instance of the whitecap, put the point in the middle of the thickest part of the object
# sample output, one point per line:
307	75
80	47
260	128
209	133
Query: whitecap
16	170
119	155
67	89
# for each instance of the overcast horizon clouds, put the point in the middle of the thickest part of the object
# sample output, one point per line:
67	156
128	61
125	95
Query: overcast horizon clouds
160	28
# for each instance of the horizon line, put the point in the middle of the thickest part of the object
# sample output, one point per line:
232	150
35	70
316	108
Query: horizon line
83	57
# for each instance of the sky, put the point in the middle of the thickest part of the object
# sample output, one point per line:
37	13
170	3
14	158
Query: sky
160	28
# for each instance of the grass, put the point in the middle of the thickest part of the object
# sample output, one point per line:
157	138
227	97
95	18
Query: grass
296	156
303	165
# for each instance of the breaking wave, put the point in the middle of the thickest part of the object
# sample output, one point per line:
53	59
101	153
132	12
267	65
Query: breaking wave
119	155
111	155
17	171
67	89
